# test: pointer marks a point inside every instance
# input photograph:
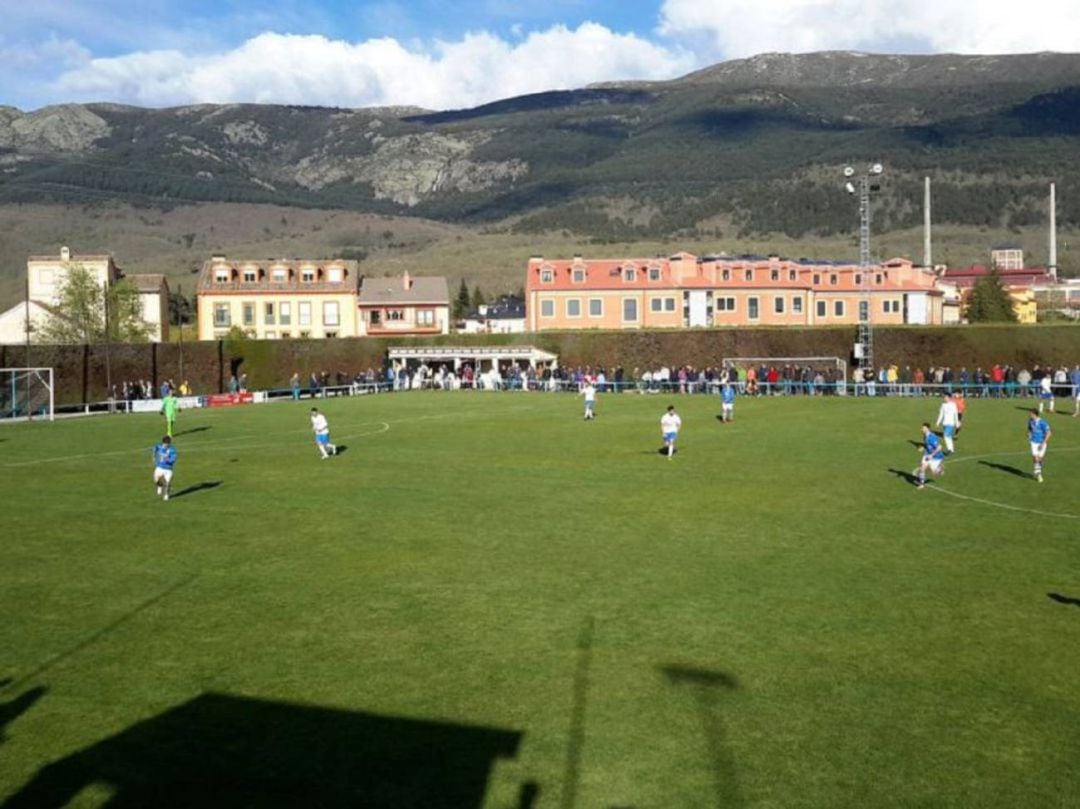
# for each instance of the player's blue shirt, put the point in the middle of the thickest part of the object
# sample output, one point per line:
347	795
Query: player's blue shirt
1038	430
932	447
727	394
164	456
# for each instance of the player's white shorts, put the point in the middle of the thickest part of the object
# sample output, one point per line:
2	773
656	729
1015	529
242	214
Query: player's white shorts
933	464
1037	449
162	475
728	407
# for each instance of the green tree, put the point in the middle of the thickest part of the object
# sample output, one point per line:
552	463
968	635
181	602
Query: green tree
461	303
989	302
478	298
81	317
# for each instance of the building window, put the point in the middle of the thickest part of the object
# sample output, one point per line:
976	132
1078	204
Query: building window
817	279
890	307
877	278
629	275
303	314
395	314
546	276
752	308
774	275
596	307
725	275
284	315
669	304
725	304
654	273
656	304
248	313
330	314
792	275
279	275
374	317
573	307
249	276
547	308
222	316
822	309
268	314
307	275
334	275
221	276
858	279
778	305
796	306
629	309
833	280
577	275
838	308
749	275
425	317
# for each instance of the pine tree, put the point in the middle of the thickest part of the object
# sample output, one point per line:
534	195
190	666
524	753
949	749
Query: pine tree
989	302
478	298
462	302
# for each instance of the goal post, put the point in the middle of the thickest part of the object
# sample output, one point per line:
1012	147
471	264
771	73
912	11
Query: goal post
27	393
837	365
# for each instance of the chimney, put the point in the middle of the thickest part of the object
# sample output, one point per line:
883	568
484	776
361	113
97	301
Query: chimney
406	281
928	256
1052	265
65	253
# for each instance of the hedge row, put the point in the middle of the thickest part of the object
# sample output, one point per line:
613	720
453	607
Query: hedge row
81	370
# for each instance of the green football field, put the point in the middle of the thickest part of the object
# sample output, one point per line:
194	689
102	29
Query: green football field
484	601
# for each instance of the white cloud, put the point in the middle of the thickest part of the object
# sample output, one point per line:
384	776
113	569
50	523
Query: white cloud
311	69
734	28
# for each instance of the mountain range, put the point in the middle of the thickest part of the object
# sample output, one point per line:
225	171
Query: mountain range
742	149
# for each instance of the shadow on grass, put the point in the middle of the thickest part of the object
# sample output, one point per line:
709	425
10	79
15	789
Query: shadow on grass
196	487
1062	599
910	478
341	449
708	687
576	743
13	709
227	751
1028	409
1012	470
191	430
916	444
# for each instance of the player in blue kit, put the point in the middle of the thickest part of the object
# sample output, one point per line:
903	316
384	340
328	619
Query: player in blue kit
933	458
164	455
727	402
1038	435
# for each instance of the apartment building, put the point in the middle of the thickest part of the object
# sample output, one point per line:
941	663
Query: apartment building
277	299
688	291
404	306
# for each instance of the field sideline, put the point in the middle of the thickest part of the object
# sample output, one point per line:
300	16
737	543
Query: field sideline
484	601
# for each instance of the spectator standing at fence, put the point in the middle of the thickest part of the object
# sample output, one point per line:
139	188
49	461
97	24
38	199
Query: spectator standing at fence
294	386
1074	380
1038	435
947	420
918	378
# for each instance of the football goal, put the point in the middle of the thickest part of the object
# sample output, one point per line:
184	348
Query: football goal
27	393
833	369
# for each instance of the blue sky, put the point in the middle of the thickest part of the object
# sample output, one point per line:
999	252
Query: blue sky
442	54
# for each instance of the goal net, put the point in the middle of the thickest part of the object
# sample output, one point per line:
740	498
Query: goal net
27	393
794	374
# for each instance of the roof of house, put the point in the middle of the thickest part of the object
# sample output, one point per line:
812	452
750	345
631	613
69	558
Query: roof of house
148	282
264	270
72	258
685	271
968	276
403	289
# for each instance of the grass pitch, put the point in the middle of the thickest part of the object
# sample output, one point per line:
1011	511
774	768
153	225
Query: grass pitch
485	601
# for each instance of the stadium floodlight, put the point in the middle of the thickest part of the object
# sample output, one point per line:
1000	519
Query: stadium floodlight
864	184
849	171
849	187
877	168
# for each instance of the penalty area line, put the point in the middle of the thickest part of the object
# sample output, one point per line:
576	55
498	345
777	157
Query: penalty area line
994	503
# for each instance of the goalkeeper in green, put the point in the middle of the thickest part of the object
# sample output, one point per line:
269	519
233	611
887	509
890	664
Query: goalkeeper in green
169	408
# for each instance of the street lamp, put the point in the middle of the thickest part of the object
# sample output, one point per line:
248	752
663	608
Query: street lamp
862	185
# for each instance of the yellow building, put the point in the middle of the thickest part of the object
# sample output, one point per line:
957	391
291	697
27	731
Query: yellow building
271	300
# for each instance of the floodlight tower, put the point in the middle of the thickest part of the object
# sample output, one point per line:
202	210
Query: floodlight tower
863	185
